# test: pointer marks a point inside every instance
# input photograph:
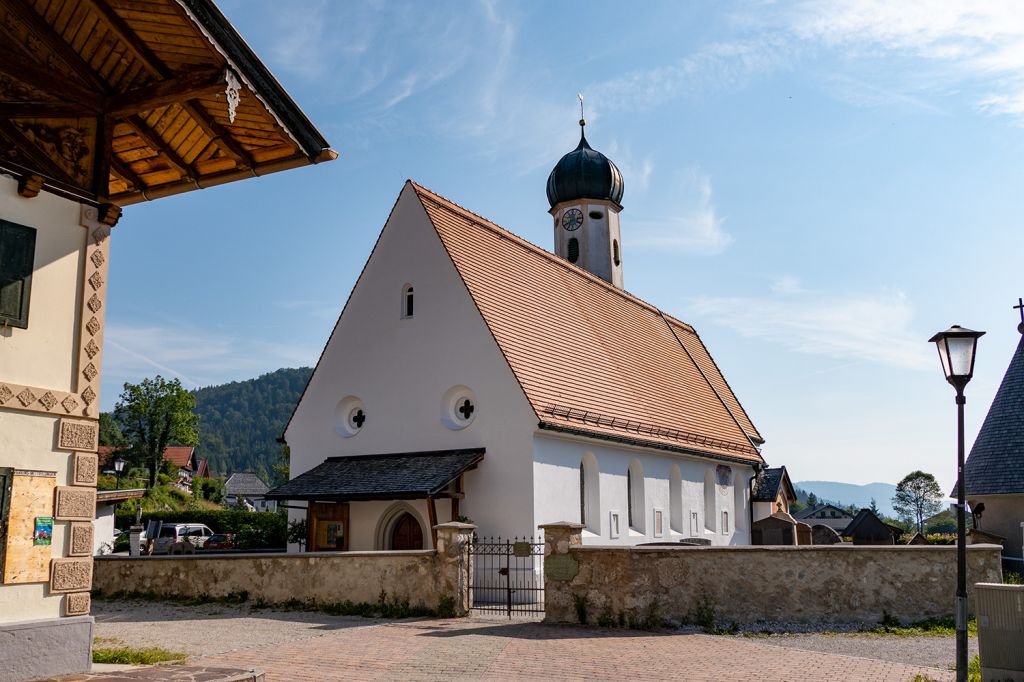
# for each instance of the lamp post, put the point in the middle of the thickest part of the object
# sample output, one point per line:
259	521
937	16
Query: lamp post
956	348
118	468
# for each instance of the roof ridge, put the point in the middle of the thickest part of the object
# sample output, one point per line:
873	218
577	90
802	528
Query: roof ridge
445	202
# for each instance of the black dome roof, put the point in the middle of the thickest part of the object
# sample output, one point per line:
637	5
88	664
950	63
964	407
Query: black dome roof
584	173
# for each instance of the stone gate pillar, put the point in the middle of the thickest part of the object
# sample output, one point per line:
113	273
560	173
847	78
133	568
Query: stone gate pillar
455	563
560	567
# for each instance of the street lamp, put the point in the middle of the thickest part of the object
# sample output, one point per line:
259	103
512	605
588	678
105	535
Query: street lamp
118	468
957	347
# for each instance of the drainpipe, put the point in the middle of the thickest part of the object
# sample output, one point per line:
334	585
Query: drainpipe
750	506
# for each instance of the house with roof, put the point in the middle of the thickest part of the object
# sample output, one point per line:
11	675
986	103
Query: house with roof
473	374
994	471
183	457
771	493
867	528
247	487
106	104
825	515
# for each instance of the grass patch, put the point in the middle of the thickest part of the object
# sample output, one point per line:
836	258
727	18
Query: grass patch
128	655
934	627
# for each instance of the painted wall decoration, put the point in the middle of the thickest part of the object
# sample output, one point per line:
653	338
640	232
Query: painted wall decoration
43	533
32	494
723	474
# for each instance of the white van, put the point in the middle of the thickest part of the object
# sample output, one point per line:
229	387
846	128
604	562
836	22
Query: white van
171	534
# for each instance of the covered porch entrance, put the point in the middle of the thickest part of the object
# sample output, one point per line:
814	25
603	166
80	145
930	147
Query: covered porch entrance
380	501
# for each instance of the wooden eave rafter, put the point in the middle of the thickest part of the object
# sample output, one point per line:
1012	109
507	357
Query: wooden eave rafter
167	139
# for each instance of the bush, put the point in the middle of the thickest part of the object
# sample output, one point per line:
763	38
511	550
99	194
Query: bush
211	489
262	530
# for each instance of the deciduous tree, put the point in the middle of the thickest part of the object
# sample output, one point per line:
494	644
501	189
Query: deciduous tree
156	413
917	497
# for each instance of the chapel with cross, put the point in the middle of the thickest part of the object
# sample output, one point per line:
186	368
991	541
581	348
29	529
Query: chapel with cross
475	375
994	471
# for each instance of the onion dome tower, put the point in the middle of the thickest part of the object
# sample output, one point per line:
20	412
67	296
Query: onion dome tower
585	193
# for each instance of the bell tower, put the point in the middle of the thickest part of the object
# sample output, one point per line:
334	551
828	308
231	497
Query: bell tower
585	193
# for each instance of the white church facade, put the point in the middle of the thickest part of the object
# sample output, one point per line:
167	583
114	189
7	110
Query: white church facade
474	375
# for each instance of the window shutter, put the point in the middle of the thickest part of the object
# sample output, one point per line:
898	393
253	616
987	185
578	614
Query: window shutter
17	253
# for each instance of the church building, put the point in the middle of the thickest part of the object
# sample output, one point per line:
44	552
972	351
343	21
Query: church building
474	375
994	471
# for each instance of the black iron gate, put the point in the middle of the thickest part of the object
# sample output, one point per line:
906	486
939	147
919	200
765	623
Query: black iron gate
507	576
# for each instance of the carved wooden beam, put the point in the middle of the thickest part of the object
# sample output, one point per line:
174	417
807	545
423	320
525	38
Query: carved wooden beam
153	140
36	156
156	67
24	68
55	43
44	110
101	156
181	88
29	185
126	173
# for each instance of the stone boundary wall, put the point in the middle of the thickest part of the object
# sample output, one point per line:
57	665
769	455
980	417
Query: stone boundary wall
422	577
754	585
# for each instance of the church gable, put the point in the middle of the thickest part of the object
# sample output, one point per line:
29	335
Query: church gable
592	359
407	353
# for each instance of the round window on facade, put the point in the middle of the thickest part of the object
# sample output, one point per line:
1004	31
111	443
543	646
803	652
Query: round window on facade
458	407
349	416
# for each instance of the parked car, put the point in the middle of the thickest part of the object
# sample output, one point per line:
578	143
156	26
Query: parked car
174	537
220	541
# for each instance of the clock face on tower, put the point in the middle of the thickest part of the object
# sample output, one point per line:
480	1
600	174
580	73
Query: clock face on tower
572	219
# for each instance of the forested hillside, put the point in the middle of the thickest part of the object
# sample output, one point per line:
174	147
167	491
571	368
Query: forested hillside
239	423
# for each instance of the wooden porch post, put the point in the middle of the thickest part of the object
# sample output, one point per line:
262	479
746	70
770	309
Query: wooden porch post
432	513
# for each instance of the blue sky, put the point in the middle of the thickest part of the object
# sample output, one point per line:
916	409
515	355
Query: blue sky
817	187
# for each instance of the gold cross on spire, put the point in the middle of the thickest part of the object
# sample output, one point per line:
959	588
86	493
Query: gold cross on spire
583	120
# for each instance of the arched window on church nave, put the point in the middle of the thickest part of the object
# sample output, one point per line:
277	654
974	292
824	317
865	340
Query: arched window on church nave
407	301
635	502
590	500
675	503
709	499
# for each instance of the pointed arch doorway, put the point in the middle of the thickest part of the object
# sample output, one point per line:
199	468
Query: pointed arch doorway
406	533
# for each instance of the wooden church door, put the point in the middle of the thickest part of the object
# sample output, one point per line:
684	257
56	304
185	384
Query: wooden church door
407	533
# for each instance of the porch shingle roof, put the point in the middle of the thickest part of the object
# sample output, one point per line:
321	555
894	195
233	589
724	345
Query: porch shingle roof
399	476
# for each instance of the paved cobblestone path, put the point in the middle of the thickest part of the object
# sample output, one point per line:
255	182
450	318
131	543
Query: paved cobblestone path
476	649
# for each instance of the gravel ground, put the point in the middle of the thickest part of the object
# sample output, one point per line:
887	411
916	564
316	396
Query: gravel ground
220	628
211	628
932	651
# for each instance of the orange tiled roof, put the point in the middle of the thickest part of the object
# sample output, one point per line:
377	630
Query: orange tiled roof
179	455
592	358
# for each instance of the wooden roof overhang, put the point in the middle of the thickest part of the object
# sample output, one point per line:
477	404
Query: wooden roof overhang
122	101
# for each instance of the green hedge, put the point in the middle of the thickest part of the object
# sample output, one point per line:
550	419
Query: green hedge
254	530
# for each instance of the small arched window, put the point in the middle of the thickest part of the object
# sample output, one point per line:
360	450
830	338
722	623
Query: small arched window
573	250
407	301
615	252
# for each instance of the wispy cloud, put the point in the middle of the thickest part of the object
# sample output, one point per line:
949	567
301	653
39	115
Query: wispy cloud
787	284
977	42
196	357
694	226
716	66
872	328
